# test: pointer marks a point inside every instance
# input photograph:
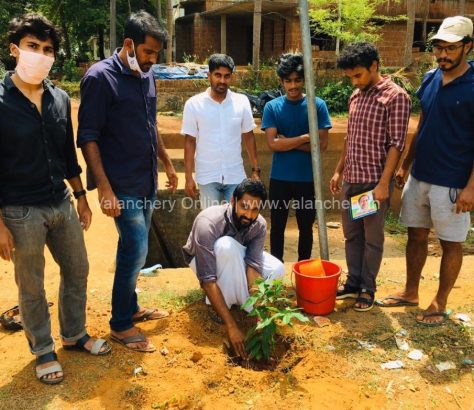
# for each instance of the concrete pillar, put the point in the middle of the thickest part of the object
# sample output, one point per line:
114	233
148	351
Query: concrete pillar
224	34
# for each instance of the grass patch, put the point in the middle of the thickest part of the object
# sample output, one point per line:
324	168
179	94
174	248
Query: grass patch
171	299
393	225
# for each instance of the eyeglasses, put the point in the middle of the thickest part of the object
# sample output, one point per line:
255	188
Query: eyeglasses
449	49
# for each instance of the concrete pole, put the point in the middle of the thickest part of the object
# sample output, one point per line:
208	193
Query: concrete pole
223	34
113	26
170	21
313	129
158	10
339	16
407	55
257	25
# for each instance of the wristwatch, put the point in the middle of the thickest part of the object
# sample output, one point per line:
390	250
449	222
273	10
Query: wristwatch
78	194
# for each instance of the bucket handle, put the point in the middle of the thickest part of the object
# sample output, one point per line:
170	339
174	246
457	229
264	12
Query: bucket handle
304	299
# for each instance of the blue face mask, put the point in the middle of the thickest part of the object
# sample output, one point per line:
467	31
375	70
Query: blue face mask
133	62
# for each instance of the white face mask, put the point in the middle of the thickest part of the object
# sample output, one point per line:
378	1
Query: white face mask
33	68
133	62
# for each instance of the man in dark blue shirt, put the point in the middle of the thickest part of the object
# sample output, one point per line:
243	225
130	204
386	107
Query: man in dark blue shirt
36	155
120	142
440	189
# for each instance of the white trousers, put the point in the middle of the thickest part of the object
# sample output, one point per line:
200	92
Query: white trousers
231	270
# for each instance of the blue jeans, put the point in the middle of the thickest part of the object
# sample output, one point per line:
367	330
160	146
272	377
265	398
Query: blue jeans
214	193
132	225
57	227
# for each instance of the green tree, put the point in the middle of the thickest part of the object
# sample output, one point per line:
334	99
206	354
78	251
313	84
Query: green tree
349	20
79	20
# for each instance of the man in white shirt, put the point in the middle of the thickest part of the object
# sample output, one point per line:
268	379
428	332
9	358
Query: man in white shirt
214	123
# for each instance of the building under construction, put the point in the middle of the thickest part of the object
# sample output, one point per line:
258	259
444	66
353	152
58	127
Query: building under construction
209	26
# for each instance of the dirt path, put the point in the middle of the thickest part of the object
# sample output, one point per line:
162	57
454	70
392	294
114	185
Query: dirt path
324	368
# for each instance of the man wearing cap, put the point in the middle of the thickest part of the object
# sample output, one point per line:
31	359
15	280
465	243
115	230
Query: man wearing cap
439	192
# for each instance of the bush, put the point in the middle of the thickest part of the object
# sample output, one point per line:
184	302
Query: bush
72	88
70	71
3	71
336	95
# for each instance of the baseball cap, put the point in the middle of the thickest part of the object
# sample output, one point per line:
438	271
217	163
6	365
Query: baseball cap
454	29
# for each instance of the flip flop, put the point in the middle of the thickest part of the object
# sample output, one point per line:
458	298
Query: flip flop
147	315
444	315
139	337
399	302
11	318
54	368
95	349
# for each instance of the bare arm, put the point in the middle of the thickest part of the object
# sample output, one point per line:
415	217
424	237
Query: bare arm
382	190
283	144
402	172
465	200
216	298
335	183
107	199
83	210
251	146
172	182
323	142
189	151
7	243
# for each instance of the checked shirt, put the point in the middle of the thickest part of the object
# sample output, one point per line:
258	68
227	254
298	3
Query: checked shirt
378	120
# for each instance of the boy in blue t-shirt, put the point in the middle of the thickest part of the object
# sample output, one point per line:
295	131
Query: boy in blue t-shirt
285	122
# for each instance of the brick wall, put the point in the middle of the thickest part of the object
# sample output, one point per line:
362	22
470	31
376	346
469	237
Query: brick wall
184	39
293	34
392	43
206	36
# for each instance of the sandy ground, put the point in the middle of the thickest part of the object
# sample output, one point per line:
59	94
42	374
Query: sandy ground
324	367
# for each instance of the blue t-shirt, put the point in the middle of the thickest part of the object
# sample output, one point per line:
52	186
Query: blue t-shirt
445	143
290	118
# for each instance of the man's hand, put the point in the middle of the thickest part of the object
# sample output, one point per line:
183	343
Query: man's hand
335	183
85	213
237	338
172	182
255	175
109	203
465	201
7	244
400	177
381	192
190	188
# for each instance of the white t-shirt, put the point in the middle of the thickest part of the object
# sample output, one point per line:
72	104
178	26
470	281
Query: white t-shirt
218	130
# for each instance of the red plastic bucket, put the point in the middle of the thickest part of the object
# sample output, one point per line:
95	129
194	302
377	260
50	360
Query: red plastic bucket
316	295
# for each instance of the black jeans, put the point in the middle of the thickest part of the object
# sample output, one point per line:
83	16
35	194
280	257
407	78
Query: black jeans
281	195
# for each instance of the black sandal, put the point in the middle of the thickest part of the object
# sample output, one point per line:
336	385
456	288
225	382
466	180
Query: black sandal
347	292
95	349
367	301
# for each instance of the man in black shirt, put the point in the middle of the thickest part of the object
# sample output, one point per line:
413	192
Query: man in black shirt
37	154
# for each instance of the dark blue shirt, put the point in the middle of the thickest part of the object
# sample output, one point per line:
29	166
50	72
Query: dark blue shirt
290	118
445	144
37	151
118	111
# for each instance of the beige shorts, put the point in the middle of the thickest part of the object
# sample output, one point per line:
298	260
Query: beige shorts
430	206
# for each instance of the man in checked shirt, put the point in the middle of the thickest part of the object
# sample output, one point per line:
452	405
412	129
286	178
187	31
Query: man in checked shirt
379	111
